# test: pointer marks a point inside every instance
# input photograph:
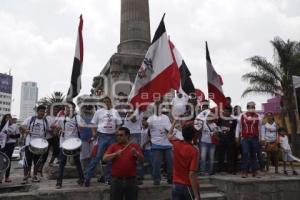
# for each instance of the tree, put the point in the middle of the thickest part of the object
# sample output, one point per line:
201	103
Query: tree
276	78
56	97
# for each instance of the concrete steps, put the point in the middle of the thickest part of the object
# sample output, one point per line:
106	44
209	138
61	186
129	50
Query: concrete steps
99	191
208	190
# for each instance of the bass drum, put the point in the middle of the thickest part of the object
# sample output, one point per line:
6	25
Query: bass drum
71	147
4	162
38	146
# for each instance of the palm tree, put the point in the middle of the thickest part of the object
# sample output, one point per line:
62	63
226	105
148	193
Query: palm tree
56	97
276	78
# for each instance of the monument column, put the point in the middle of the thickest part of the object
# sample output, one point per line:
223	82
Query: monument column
135	27
120	71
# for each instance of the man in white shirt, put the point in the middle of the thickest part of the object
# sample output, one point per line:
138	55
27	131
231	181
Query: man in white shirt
34	127
69	126
107	121
159	125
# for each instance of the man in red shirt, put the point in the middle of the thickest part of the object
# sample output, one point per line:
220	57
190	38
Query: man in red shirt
248	135
123	155
185	167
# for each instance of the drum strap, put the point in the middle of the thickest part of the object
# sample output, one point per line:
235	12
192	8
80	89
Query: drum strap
76	124
32	124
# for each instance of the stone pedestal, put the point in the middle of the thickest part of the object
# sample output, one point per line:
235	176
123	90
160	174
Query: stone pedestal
120	71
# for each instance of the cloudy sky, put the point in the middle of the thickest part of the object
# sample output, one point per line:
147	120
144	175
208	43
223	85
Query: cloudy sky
38	38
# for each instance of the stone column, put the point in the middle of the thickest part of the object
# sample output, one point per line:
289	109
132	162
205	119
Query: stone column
135	27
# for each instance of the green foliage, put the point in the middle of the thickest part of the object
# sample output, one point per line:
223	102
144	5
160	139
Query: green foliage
55	97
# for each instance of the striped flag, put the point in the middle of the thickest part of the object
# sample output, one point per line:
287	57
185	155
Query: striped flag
77	65
158	72
186	84
214	80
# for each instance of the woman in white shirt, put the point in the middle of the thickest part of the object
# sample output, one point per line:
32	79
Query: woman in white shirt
270	138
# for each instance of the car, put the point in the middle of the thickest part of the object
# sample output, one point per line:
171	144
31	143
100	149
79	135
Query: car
17	153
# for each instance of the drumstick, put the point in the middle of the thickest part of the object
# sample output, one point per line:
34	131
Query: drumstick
126	146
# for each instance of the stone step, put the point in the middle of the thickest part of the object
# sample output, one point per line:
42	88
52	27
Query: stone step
14	188
204	180
208	188
212	196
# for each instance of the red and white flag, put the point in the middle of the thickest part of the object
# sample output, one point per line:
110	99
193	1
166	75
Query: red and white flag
75	85
214	80
158	73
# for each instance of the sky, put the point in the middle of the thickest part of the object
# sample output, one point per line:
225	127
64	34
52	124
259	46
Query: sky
38	38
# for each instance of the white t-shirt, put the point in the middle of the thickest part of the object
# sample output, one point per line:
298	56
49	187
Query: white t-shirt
144	138
51	121
12	130
159	127
134	127
269	132
106	120
207	132
69	128
284	143
36	129
179	105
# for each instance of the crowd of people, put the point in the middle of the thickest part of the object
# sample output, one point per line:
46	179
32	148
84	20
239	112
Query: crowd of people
177	140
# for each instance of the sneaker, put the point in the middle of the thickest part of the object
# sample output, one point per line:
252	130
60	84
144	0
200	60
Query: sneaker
80	182
108	182
285	172
295	173
244	175
58	185
35	179
255	174
87	182
101	179
8	180
139	182
25	180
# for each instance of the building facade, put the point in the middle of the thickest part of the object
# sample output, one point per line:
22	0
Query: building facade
6	82
29	97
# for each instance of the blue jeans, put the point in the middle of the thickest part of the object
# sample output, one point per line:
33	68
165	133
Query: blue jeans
104	140
62	163
148	159
250	148
157	158
135	138
182	192
207	150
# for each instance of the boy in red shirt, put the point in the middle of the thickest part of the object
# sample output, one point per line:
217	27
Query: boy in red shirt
123	155
185	167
